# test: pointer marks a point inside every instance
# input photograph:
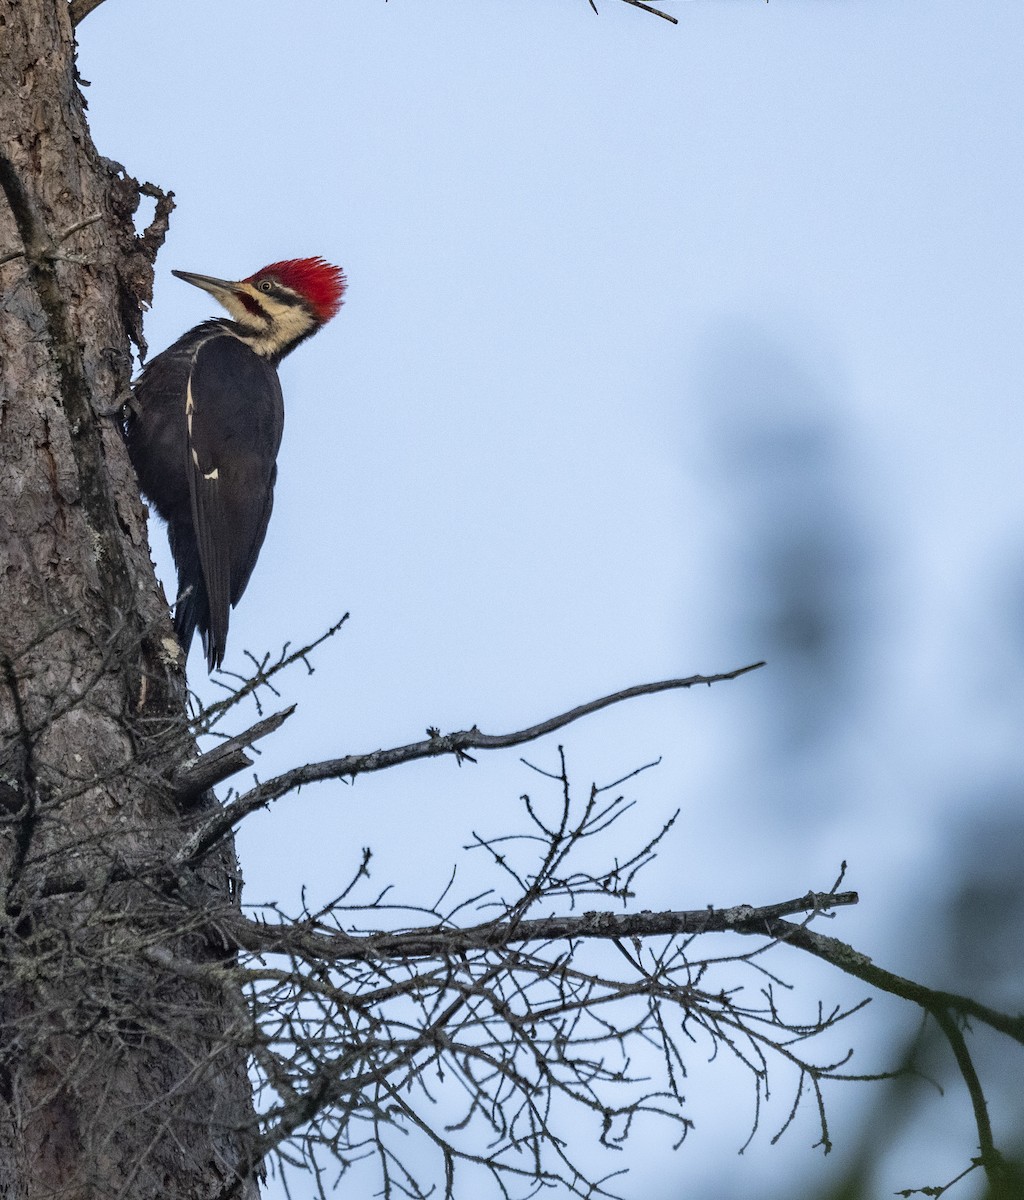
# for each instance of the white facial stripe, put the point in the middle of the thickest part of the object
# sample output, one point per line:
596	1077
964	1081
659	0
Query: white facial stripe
274	327
287	323
238	310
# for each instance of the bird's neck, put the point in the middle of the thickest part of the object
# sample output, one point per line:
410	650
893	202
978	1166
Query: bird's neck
273	340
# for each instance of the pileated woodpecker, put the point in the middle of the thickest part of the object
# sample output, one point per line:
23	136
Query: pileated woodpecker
204	427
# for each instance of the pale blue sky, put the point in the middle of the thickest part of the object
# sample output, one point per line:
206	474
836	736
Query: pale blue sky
636	315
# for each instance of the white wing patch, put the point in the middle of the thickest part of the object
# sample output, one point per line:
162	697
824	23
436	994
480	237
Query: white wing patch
189	405
190	408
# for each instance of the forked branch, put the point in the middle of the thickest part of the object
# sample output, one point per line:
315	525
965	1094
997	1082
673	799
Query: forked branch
852	962
947	1009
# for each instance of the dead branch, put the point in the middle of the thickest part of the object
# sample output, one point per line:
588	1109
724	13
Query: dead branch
209	716
227	759
80	9
852	962
436	745
947	1009
260	938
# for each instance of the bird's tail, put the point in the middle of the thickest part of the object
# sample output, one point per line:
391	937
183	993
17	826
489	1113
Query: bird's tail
186	616
192	612
192	608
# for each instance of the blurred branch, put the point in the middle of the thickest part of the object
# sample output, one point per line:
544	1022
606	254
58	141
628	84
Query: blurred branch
80	9
640	4
990	1158
847	959
635	3
947	1010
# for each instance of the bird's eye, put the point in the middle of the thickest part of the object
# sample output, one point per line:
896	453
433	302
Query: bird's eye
264	285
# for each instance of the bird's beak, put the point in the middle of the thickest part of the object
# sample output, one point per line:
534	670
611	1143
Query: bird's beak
216	287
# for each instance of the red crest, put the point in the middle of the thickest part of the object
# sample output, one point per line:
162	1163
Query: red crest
322	284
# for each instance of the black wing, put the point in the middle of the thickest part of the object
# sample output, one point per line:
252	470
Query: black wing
234	417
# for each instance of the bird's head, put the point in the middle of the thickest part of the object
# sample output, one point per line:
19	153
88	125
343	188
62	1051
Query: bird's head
280	305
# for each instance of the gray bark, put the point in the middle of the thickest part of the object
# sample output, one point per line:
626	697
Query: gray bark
116	1079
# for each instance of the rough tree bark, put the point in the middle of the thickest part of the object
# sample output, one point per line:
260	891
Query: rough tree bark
112	1083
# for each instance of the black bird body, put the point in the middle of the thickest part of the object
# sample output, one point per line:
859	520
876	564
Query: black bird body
204	428
218	504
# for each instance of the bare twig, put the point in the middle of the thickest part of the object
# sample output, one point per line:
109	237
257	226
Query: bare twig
265	671
640	4
79	225
944	1007
852	962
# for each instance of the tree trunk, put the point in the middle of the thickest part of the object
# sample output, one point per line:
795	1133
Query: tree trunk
116	1079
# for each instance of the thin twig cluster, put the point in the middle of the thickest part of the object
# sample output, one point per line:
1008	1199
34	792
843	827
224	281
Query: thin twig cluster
481	1044
474	1028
